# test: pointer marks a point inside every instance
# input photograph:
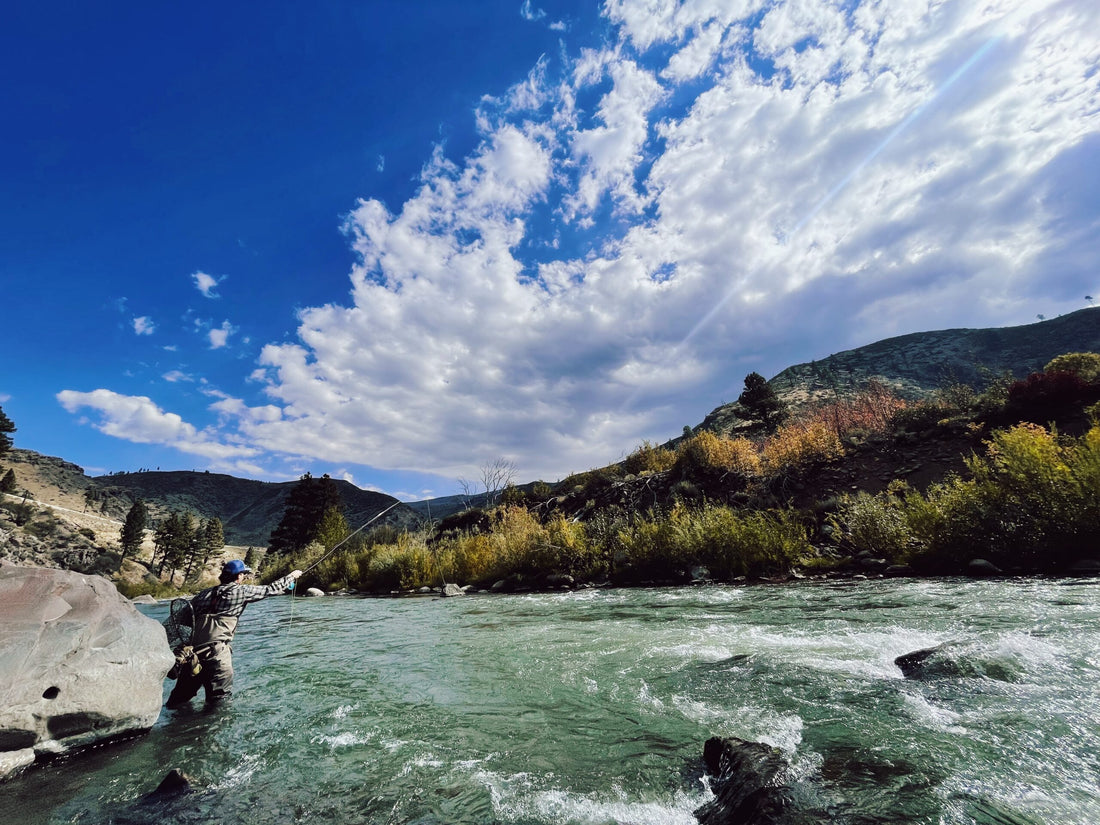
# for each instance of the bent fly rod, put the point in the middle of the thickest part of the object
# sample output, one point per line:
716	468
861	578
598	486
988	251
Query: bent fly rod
339	544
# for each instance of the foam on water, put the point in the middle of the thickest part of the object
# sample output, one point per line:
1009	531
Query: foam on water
925	713
347	739
519	798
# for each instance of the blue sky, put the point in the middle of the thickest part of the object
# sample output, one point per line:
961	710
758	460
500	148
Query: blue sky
395	241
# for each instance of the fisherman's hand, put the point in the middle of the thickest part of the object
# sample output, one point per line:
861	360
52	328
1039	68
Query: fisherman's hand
294	574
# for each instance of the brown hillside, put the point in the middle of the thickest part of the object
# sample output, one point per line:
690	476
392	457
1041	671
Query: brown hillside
917	365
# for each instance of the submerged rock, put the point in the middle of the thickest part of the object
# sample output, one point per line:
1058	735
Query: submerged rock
175	782
959	660
78	664
748	783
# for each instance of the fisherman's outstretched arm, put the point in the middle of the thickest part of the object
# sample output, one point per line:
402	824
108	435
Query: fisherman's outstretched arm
254	592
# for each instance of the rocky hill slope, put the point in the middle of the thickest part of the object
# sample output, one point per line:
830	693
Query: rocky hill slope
61	517
249	510
915	366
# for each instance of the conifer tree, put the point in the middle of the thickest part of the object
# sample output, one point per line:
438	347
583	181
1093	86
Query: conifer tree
8	483
306	506
760	405
6	427
133	530
213	537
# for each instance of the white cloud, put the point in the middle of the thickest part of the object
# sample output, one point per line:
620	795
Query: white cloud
139	420
143	325
206	284
608	154
718	189
219	336
176	376
531	13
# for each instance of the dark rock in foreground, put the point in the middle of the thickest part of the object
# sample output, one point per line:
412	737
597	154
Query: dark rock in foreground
747	780
959	660
175	782
78	664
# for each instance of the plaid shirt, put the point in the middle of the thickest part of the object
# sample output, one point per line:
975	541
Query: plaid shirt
231	599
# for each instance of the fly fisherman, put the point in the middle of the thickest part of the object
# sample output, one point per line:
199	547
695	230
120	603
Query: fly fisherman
215	613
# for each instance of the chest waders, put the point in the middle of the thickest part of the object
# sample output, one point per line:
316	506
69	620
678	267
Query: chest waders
209	660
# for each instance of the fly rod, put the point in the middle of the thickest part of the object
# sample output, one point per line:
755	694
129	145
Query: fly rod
348	537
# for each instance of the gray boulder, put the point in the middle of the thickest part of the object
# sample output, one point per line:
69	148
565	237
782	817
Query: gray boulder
981	567
452	590
78	664
314	591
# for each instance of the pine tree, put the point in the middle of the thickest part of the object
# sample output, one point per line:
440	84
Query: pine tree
133	530
6	427
8	483
213	537
306	506
760	405
174	541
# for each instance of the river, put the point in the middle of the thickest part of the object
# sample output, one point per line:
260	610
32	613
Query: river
592	707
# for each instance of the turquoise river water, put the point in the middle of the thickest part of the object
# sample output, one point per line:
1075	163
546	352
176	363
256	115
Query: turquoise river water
593	706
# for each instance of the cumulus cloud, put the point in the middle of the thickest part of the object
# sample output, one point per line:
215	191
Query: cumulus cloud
219	336
206	284
718	188
139	420
143	325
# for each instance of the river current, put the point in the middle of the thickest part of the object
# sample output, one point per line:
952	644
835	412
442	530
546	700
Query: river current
592	707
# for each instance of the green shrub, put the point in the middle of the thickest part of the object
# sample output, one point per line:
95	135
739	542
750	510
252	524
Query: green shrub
43	526
1085	365
649	458
1032	503
729	542
876	524
706	453
921	417
800	444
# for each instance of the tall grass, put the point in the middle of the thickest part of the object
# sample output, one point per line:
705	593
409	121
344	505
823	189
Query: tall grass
655	545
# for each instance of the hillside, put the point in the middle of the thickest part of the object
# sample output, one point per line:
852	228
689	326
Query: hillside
77	517
917	365
249	510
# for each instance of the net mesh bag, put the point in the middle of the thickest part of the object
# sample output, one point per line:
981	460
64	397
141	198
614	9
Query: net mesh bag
180	624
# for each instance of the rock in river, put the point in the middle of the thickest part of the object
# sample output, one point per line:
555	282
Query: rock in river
748	780
78	664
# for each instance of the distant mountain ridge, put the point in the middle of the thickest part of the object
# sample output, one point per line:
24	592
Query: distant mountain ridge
248	509
918	364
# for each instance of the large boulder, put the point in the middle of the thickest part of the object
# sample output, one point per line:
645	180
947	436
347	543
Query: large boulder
749	784
78	664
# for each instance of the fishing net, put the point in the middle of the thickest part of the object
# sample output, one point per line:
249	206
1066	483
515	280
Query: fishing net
180	629
180	624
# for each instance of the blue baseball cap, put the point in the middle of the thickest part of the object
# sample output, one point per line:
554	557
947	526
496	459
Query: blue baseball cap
235	568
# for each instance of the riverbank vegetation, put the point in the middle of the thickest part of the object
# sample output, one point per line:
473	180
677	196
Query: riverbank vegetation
726	506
